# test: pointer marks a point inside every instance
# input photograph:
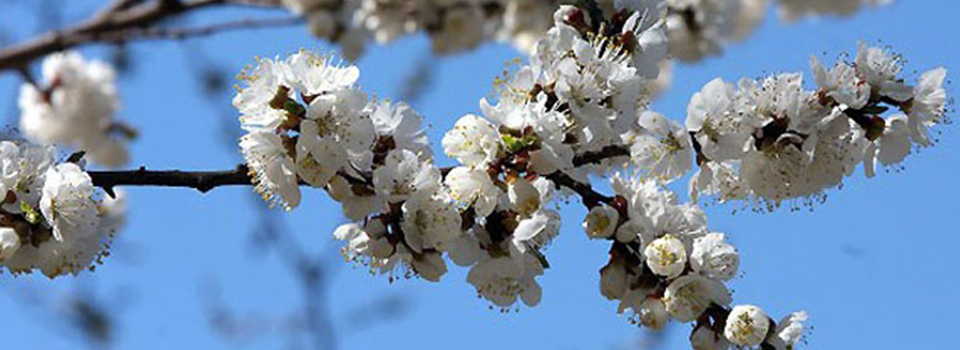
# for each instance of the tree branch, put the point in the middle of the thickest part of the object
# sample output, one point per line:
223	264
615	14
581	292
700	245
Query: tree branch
185	33
118	17
202	181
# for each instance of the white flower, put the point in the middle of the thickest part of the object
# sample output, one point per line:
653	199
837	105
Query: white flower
716	178
537	230
792	10
704	338
465	250
429	266
721	132
461	29
402	123
501	280
879	68
273	171
747	325
601	222
524	197
894	144
928	105
263	85
311	74
318	160
473	141
653	313
613	280
688	296
22	169
714	258
75	108
402	174
369	240
355	206
473	188
841	83
662	148
666	256
9	243
789	331
66	203
698	28
340	114
430	221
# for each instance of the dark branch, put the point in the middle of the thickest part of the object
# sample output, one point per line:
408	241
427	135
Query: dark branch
205	181
194	32
588	195
598	156
119	17
202	181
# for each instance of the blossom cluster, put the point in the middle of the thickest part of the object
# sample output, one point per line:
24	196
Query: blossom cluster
696	28
794	9
308	123
51	218
579	107
666	265
770	140
74	107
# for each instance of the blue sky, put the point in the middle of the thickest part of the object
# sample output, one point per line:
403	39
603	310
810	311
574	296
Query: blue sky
874	265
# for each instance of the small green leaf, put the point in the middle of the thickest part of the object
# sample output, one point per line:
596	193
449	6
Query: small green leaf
515	145
32	216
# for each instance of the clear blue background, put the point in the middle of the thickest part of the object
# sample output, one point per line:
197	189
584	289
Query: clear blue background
876	265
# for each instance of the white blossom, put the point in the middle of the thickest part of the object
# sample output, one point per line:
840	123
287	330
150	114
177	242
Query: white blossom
430	221
747	325
714	258
274	172
9	243
704	338
666	256
790	330
653	313
473	141
687	297
473	188
601	222
75	107
662	147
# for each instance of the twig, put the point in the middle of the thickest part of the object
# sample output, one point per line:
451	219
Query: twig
202	181
186	33
116	18
205	181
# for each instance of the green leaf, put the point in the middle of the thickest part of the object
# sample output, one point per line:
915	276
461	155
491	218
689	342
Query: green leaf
32	216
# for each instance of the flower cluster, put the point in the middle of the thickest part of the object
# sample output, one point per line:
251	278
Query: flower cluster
579	107
793	9
308	123
75	107
770	140
582	90
665	265
696	28
50	218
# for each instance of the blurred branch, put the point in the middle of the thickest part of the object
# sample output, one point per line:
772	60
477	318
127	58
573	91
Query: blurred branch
113	22
186	33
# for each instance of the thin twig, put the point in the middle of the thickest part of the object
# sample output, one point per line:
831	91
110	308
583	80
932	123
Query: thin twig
117	18
194	32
